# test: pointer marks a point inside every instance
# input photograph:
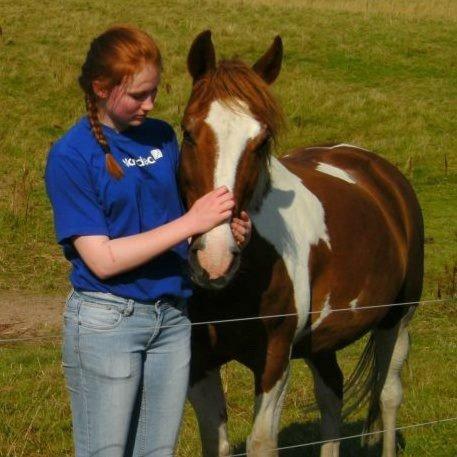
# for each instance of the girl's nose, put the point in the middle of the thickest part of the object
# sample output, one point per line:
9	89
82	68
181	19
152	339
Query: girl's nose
148	104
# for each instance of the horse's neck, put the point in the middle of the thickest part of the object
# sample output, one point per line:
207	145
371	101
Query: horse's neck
289	209
291	218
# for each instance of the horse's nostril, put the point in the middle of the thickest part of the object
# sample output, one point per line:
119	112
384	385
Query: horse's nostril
235	251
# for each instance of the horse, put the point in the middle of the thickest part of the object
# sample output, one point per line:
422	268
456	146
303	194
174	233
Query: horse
337	240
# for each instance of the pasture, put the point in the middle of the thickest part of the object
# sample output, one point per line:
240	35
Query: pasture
381	75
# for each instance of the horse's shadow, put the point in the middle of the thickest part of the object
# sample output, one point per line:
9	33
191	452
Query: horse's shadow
302	433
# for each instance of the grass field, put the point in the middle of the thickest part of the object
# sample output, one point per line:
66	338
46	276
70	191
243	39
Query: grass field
378	74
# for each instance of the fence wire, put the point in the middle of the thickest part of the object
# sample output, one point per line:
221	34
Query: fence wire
252	318
343	438
234	320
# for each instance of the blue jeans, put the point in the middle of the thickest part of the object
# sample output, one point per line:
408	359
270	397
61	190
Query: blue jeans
126	364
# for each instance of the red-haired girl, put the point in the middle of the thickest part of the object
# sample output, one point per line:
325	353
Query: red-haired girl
112	183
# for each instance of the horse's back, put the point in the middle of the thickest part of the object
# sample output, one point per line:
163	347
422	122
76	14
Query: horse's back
367	173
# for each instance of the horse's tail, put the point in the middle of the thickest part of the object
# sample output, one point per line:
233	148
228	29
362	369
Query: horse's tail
359	385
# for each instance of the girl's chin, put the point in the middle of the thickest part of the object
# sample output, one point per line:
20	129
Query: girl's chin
137	120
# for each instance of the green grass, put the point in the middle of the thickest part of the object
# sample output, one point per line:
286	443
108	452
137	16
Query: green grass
384	82
34	402
378	74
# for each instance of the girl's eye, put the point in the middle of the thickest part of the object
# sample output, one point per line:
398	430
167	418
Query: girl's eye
143	96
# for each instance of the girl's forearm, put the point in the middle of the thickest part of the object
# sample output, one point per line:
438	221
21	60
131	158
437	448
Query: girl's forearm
110	257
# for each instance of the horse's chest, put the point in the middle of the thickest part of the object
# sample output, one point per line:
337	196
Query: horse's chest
291	220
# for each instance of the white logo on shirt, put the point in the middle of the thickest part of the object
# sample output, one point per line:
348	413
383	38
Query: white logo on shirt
155	155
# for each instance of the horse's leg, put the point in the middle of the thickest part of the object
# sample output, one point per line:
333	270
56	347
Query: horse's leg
208	401
263	440
391	351
328	389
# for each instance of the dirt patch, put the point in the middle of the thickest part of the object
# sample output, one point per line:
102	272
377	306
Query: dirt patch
30	315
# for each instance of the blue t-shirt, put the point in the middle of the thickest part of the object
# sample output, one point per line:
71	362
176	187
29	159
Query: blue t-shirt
86	200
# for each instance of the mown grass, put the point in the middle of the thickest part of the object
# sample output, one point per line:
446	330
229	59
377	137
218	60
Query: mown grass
378	74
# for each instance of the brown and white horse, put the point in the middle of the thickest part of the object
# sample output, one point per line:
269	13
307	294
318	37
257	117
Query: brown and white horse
334	228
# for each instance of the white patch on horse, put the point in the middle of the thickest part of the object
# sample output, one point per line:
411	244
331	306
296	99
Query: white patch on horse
325	311
267	412
233	126
345	145
353	304
208	400
335	171
292	219
340	145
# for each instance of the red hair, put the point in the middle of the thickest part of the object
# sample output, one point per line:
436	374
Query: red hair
113	57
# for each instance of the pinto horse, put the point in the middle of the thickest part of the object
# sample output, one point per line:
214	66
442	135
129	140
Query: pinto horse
336	229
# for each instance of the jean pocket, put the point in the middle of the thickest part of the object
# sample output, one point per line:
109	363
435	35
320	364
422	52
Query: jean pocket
99	316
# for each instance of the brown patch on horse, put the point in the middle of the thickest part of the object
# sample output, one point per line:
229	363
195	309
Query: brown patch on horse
252	173
197	181
262	287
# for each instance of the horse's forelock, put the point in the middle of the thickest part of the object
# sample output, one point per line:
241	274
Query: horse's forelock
233	82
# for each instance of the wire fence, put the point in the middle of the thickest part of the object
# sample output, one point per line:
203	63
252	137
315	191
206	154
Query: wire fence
359	435
275	316
254	318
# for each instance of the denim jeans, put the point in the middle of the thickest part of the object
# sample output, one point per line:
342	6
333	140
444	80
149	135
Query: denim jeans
126	364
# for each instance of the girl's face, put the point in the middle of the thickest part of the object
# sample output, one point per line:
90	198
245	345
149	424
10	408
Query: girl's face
128	103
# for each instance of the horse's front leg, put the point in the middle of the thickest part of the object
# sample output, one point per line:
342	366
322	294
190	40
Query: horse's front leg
271	386
328	388
208	401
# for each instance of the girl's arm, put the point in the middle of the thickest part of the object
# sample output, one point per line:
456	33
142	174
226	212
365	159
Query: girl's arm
108	257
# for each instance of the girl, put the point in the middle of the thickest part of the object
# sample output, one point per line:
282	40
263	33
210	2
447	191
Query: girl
112	183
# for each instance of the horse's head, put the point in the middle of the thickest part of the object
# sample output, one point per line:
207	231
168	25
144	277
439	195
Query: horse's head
228	125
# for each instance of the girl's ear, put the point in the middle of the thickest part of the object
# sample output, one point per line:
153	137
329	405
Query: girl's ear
99	89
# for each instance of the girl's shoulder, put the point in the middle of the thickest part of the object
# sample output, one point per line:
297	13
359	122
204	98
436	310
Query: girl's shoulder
78	139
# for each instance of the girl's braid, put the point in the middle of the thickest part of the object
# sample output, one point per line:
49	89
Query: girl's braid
113	167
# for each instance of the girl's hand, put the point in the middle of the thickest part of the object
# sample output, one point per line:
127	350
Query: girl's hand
210	210
242	229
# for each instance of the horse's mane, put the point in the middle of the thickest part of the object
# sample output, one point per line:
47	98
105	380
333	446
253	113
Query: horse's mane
233	81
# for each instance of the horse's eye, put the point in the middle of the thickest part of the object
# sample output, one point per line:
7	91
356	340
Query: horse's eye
264	143
187	137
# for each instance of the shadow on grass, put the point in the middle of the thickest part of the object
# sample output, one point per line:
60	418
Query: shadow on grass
299	433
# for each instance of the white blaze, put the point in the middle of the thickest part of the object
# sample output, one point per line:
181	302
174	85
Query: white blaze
233	126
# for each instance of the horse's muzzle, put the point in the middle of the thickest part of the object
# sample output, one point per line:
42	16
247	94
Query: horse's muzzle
215	281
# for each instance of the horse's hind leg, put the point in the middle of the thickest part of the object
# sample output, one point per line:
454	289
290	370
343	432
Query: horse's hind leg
391	351
208	401
263	440
328	389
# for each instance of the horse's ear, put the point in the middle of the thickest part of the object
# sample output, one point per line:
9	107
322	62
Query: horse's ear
201	57
269	65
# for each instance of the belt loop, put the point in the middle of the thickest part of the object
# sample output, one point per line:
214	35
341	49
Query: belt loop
128	310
